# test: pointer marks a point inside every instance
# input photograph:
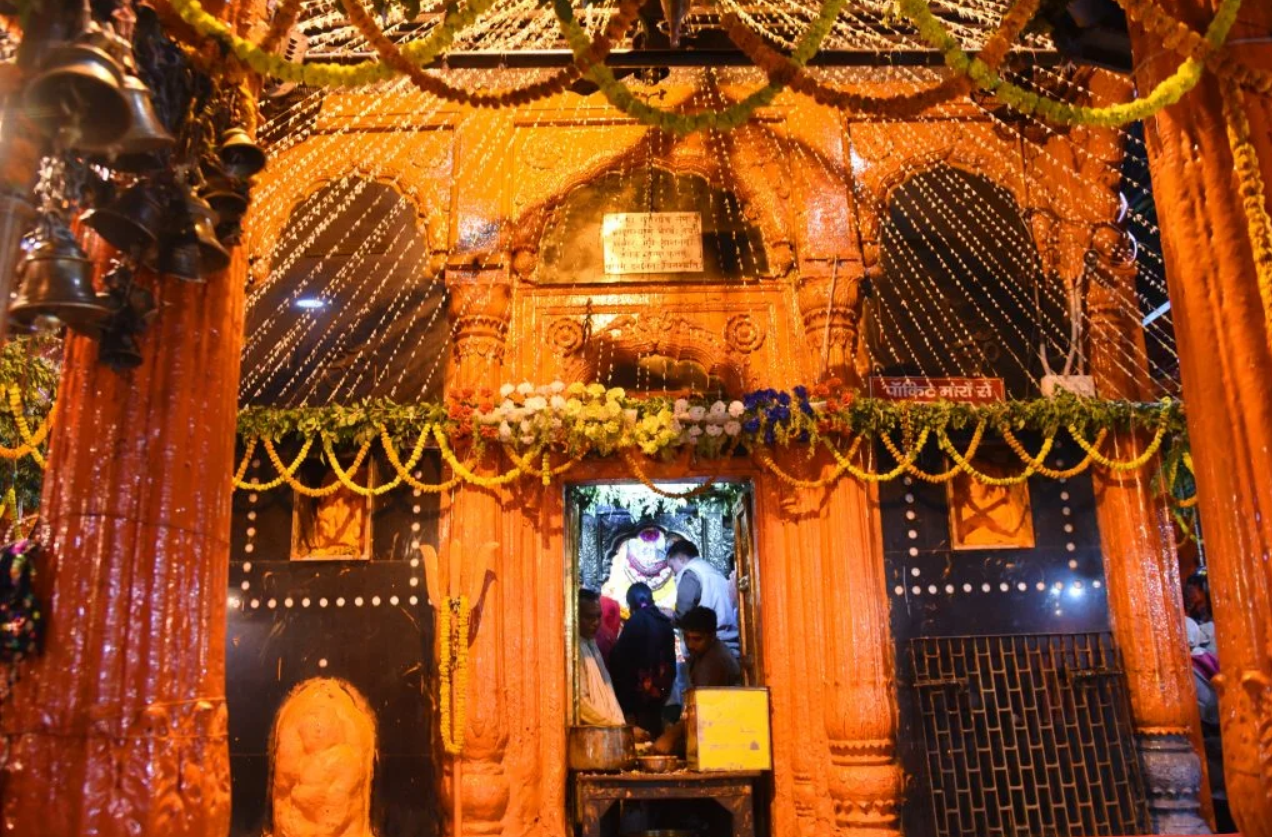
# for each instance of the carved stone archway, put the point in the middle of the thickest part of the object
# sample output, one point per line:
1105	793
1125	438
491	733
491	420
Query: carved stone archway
280	191
746	172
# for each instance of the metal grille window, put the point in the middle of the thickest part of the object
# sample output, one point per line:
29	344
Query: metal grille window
1028	735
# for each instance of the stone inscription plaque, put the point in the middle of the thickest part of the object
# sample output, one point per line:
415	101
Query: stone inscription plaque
652	242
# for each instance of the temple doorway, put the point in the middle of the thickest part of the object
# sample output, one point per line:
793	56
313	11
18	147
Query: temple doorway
625	550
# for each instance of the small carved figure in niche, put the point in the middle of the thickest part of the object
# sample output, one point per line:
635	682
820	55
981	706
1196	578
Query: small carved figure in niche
334	526
322	762
990	516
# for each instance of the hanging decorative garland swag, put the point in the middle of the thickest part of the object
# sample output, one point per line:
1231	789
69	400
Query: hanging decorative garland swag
1167	93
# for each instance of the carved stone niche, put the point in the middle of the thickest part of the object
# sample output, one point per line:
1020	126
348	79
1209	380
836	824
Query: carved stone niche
558	240
657	351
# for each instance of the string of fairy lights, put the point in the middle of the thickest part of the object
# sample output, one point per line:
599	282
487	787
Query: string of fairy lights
952	282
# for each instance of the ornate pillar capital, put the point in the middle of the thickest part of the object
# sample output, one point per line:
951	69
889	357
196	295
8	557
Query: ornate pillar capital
479	308
829	293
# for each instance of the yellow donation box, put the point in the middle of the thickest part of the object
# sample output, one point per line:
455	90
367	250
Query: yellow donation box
728	730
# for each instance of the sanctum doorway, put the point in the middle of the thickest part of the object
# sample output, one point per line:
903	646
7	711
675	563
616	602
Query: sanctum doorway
620	534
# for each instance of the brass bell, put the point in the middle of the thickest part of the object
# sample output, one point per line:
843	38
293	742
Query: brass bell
57	282
240	157
190	250
179	258
129	222
228	203
79	98
146	137
119	350
212	256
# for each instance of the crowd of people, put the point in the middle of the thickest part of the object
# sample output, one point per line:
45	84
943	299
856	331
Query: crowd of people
629	672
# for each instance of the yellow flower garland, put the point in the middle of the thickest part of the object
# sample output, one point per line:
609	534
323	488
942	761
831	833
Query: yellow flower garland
420	52
404	472
452	671
1169	91
1253	196
290	470
30	441
1121	465
459	468
639	473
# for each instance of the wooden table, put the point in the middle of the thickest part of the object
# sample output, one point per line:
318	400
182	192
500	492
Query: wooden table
597	793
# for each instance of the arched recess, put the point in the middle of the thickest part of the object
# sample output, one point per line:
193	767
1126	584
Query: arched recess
301	171
960	289
743	177
347	312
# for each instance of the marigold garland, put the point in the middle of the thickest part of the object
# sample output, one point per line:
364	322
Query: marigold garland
1168	91
1182	39
289	471
727	119
1253	196
395	59
419	52
781	69
30	441
639	473
452	671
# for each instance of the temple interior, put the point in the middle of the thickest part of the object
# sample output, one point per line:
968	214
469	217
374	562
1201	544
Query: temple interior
635	418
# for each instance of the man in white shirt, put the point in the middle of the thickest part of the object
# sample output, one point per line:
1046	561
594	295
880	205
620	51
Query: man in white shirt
598	705
700	584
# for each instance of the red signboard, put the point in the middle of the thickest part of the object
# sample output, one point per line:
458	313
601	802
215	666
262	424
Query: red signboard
975	390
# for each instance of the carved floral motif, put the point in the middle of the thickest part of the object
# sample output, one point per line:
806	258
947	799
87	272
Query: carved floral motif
744	334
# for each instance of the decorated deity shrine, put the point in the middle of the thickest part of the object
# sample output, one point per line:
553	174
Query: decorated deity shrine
636	418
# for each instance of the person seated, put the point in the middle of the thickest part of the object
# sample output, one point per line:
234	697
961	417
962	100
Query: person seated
711	666
643	662
598	705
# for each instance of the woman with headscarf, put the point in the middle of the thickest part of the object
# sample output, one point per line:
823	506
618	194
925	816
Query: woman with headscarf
643	662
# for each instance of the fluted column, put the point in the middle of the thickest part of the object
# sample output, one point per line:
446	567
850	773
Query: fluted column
865	779
1226	365
1140	561
472	516
830	603
120	727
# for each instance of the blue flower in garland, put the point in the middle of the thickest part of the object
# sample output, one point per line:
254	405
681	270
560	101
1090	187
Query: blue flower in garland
801	392
779	414
751	425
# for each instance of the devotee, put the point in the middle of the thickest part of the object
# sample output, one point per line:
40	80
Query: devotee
700	584
1205	667
598	705
711	666
1197	606
643	662
611	624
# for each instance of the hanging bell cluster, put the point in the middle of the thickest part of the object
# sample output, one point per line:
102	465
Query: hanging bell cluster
86	97
170	204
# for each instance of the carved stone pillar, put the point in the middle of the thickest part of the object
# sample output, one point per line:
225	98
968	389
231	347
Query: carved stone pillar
830	306
120	727
829	546
472	516
865	779
1226	365
1139	555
